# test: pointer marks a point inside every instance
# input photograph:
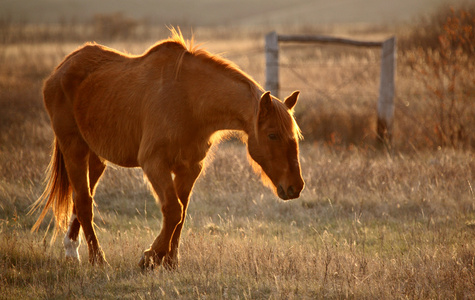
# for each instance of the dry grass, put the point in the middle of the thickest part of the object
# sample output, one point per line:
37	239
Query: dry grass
365	227
368	225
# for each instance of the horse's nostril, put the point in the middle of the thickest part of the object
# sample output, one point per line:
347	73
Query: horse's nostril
290	192
281	193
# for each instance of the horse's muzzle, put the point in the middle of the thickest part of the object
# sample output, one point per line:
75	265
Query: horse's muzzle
291	193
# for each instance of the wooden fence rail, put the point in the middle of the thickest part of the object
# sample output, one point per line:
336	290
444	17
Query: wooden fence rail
387	76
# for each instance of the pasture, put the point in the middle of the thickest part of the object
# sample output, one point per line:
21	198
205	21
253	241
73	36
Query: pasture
369	224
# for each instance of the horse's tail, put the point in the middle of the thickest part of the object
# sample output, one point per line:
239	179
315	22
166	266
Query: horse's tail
57	194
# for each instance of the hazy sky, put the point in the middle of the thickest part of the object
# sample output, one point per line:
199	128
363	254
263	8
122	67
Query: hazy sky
224	12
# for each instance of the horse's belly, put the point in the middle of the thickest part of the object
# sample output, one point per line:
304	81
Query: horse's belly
114	138
113	147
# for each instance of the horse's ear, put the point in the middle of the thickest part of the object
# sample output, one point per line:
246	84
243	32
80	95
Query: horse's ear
265	105
291	100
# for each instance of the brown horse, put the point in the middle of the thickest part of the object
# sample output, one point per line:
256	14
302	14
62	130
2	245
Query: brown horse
158	111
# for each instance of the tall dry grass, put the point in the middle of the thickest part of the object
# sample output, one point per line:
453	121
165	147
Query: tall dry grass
368	224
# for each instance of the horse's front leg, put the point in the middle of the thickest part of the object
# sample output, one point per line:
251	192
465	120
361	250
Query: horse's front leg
185	178
172	211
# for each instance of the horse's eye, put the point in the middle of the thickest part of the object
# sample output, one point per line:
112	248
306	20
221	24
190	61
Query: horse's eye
273	136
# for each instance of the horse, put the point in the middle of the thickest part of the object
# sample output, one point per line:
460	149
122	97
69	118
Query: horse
160	111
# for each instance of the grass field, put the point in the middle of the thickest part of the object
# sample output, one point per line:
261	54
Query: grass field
396	224
365	227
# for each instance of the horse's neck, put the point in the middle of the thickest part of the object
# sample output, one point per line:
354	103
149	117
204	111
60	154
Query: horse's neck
233	107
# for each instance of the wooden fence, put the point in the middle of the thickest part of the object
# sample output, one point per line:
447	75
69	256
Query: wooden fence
387	77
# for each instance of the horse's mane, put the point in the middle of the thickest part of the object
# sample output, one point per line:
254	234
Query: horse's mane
189	47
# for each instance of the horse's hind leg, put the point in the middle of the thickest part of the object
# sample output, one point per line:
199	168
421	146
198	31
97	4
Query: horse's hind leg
76	158
72	239
96	169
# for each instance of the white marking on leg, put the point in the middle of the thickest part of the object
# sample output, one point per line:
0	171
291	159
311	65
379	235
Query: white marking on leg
70	245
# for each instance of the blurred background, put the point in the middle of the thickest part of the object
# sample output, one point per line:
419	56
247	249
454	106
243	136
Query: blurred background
339	83
224	12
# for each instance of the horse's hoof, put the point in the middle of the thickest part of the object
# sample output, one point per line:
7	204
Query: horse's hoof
149	260
142	262
146	262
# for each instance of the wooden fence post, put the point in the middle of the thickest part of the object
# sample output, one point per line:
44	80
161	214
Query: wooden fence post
386	92
272	63
387	80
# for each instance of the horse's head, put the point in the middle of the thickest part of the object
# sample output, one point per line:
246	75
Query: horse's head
274	146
